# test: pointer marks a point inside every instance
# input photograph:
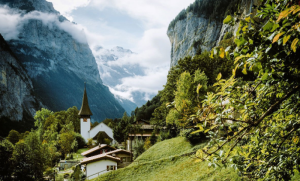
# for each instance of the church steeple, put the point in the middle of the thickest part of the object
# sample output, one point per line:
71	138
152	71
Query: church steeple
85	109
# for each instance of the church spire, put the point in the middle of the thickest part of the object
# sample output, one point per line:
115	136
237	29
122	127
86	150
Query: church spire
85	109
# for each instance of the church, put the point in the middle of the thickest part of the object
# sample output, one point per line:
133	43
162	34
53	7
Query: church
85	122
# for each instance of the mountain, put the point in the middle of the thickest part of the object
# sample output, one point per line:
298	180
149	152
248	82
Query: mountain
17	103
58	60
113	67
200	26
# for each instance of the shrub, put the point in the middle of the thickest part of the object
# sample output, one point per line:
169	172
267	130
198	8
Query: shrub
193	138
80	140
147	144
138	147
90	143
153	138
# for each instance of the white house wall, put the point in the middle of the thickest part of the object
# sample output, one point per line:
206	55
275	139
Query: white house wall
98	166
101	127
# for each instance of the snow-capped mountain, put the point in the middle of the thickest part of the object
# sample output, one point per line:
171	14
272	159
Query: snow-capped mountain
114	66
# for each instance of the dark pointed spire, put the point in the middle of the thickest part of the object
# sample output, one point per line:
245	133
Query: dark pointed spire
85	109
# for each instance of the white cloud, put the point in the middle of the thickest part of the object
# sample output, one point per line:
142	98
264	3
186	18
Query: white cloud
66	6
153	50
9	20
149	84
152	12
12	21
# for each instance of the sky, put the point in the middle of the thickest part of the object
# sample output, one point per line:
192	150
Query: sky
138	25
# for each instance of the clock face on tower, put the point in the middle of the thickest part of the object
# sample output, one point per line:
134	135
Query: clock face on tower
84	119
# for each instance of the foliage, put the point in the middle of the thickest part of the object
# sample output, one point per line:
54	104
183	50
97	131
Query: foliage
13	136
122	128
137	147
65	142
147	143
153	138
259	115
145	112
90	143
202	69
80	140
6	167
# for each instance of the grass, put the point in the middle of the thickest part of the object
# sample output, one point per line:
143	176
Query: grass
77	155
162	162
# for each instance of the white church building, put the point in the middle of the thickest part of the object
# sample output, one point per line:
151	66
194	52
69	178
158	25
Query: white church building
85	122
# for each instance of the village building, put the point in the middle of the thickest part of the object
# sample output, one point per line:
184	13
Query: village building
142	129
85	122
104	158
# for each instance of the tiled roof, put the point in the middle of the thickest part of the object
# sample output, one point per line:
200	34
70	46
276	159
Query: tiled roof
99	157
95	149
118	150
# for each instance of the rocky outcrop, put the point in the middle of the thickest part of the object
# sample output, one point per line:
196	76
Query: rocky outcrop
17	103
58	60
200	26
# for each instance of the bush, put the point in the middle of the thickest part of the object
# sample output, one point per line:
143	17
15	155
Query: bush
228	35
80	140
138	147
90	143
147	144
107	141
164	135
153	138
193	138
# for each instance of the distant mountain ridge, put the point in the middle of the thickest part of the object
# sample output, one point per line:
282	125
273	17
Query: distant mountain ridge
112	73
58	63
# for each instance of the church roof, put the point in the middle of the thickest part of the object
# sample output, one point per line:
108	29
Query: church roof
85	109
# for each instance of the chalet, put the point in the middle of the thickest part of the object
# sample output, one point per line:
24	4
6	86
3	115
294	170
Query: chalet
85	122
142	129
104	158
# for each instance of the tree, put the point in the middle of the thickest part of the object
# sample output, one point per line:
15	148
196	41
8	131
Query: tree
65	141
138	147
122	129
13	136
6	167
20	158
260	117
74	118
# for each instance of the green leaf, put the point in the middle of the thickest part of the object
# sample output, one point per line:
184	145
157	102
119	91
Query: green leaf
198	88
240	42
219	77
268	26
265	76
245	69
228	19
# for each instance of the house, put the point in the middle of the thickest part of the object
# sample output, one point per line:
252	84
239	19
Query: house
104	158
142	129
85	122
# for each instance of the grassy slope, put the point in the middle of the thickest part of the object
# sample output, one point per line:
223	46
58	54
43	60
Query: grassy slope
162	162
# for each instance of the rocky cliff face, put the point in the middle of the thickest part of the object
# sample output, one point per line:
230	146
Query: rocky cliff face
18	103
59	60
200	26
